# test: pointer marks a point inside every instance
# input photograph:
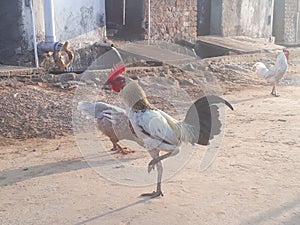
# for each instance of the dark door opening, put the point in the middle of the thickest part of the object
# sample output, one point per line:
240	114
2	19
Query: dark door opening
125	23
9	35
203	17
114	13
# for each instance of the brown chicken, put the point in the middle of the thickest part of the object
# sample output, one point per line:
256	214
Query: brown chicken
64	57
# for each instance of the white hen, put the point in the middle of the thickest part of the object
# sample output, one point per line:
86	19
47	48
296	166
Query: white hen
275	73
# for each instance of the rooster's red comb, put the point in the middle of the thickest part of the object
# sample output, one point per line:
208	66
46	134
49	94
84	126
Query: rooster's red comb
115	71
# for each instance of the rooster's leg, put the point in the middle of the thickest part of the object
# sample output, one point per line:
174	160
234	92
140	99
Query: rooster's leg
158	191
114	148
155	155
158	159
154	162
274	93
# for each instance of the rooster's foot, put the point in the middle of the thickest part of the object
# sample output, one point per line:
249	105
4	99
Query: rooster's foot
113	149
123	150
126	150
275	94
154	194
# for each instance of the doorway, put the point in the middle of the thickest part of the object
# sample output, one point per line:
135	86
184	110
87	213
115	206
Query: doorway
9	26
125	19
203	17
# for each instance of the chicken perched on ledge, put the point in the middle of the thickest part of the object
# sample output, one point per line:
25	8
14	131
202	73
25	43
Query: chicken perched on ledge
64	57
275	73
112	121
158	130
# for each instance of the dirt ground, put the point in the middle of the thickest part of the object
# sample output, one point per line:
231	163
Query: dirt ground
254	179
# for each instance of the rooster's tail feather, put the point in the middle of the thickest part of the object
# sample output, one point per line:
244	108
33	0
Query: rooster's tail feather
203	117
261	69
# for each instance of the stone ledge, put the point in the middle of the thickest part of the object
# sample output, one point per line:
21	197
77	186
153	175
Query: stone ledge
15	71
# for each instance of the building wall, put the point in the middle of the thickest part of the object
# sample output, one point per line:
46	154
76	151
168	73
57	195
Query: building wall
26	26
16	36
286	27
290	21
75	21
173	19
247	18
80	22
216	17
278	22
10	37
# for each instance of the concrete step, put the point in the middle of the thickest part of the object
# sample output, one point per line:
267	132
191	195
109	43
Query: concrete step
211	46
160	52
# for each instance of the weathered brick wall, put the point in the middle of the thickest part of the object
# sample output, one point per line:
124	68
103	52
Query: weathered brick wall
290	21
173	19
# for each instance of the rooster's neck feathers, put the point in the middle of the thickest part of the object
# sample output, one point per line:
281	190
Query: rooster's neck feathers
281	59
142	105
135	97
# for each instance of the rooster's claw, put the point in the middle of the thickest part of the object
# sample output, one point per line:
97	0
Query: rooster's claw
154	194
151	165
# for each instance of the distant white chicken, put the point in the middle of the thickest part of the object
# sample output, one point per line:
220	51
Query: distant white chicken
276	72
112	121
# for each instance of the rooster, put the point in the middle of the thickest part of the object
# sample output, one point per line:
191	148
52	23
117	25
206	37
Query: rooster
275	73
112	121
158	130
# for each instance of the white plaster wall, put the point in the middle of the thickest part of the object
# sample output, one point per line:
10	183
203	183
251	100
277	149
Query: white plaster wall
247	17
38	12
81	22
26	28
257	18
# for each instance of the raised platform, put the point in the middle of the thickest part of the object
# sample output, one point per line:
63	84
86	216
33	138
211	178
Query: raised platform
211	46
160	52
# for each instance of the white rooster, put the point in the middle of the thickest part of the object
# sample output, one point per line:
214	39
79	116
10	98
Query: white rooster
161	132
276	72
